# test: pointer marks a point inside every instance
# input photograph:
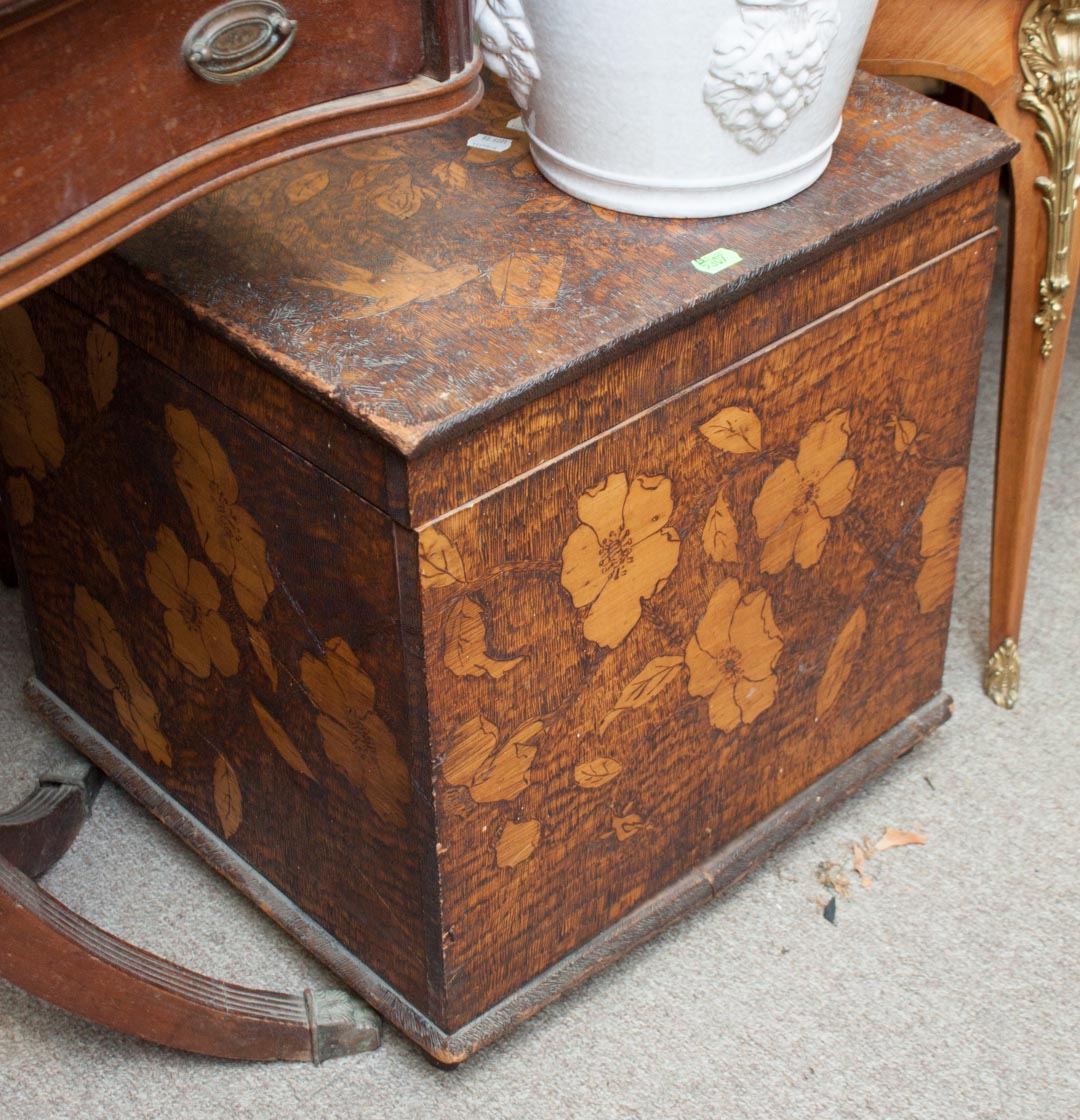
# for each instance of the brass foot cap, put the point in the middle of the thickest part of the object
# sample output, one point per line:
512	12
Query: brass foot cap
1001	679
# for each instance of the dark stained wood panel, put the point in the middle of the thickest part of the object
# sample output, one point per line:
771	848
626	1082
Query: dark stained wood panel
109	58
205	622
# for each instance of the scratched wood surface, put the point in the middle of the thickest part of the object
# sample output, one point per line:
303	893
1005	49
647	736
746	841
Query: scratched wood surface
474	670
422	286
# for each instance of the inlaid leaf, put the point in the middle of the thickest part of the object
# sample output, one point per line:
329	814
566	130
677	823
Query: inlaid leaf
102	354
627	826
524	168
307	186
227	800
720	535
544	205
473	743
527	280
440	561
452	174
30	438
261	648
279	739
940	522
506	774
111	663
936	578
597	772
517	842
736	430
491	772
400	197
362	179
645	686
841	661
405	280
375	151
21	497
465	651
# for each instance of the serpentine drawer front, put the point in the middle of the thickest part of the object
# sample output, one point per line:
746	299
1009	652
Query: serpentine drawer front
480	578
116	111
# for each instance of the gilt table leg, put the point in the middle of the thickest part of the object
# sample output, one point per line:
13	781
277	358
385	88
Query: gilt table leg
1041	295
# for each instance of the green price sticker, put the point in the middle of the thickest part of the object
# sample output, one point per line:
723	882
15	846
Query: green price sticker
716	261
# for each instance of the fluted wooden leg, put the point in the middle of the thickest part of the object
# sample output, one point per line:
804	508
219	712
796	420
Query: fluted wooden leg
35	834
55	954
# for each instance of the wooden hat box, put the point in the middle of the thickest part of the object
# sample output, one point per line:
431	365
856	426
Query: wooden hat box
480	579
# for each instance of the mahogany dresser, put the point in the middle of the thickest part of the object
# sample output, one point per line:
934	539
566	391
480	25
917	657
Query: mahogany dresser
480	579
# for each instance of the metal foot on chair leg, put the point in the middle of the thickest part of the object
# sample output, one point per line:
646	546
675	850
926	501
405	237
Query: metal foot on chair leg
1001	679
341	1024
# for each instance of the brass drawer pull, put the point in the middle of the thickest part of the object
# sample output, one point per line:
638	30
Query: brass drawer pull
238	40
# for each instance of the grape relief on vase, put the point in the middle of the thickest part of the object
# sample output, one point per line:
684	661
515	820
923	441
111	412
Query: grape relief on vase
508	46
767	66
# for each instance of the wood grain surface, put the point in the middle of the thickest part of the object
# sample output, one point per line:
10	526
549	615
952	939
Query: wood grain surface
423	287
185	600
637	651
472	621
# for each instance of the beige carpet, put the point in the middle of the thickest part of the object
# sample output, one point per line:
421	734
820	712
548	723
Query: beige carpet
949	989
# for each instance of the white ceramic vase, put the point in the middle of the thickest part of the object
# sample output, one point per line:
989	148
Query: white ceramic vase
678	108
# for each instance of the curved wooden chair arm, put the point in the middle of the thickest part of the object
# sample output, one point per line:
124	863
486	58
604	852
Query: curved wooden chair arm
53	953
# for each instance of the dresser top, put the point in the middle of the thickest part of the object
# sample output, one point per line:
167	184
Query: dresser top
422	286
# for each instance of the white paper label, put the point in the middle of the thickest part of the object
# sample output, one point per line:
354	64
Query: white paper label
488	143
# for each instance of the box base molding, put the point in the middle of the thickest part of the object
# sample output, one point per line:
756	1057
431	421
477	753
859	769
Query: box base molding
709	879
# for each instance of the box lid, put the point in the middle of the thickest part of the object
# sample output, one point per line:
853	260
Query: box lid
422	286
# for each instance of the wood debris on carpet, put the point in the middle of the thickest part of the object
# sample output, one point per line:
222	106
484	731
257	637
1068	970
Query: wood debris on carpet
836	877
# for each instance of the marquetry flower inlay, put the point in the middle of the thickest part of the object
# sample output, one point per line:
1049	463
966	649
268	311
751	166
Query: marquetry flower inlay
355	738
622	553
198	636
110	662
794	509
732	654
227	531
30	438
